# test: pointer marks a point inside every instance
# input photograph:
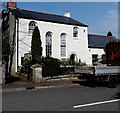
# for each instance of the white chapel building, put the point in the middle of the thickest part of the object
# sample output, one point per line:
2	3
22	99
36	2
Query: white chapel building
61	36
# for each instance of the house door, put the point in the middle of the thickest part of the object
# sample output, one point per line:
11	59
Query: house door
73	58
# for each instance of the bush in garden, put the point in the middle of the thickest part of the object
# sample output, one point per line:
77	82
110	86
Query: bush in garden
50	66
65	62
67	66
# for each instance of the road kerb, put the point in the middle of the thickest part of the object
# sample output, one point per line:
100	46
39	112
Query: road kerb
13	89
38	87
57	86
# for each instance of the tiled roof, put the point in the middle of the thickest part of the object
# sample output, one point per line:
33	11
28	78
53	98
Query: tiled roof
99	41
21	13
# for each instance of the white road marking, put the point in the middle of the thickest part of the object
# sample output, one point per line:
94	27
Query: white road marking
96	103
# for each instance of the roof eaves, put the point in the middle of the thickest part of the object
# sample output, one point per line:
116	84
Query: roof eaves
96	47
100	35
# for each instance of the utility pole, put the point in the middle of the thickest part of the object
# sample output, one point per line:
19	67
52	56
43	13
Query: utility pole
0	46
17	43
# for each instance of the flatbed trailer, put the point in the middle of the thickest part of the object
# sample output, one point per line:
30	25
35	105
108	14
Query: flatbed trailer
108	74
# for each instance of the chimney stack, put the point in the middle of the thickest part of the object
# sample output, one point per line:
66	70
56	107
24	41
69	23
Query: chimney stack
11	4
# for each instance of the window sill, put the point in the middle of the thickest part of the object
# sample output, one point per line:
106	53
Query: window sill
75	38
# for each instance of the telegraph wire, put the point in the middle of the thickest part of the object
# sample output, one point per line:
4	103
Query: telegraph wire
23	49
25	43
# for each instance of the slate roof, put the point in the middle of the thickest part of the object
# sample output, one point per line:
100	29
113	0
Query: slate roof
21	13
99	41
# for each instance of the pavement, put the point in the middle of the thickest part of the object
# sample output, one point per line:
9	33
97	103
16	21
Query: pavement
49	83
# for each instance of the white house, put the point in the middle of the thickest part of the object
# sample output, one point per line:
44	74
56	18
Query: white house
96	44
61	36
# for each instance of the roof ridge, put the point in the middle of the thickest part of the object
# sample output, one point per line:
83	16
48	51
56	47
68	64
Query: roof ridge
100	35
41	12
23	13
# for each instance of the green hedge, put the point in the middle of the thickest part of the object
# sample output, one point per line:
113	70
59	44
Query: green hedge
50	67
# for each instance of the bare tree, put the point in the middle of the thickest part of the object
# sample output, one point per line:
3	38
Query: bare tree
8	39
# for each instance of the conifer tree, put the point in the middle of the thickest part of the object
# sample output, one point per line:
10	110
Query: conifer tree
109	33
36	49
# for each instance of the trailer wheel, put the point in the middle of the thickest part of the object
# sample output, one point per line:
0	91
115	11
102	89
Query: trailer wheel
113	82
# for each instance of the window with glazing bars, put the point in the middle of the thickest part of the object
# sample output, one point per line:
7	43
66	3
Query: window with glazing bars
63	44
75	32
32	25
48	44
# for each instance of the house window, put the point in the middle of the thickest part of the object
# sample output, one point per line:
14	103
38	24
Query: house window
103	57
32	25
94	58
104	60
75	32
48	44
63	45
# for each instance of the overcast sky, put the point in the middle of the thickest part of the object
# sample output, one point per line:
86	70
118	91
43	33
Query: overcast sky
100	17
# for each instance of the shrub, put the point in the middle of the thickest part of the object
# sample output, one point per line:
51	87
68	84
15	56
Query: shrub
26	62
50	66
65	62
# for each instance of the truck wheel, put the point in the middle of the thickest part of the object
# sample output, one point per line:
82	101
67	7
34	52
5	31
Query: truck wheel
113	82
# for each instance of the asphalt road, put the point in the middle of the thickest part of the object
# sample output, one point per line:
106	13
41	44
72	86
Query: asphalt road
81	98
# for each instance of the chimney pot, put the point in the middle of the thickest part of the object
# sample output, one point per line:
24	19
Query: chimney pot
67	14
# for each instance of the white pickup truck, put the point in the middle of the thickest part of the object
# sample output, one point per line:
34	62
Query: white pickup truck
108	74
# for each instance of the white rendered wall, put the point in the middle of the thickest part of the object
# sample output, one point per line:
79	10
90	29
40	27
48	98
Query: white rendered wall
78	45
99	52
96	51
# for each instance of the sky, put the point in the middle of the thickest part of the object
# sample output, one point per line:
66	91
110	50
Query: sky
100	17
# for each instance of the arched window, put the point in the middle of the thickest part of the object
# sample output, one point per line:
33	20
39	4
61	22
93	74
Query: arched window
48	44
63	45
75	32
32	25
